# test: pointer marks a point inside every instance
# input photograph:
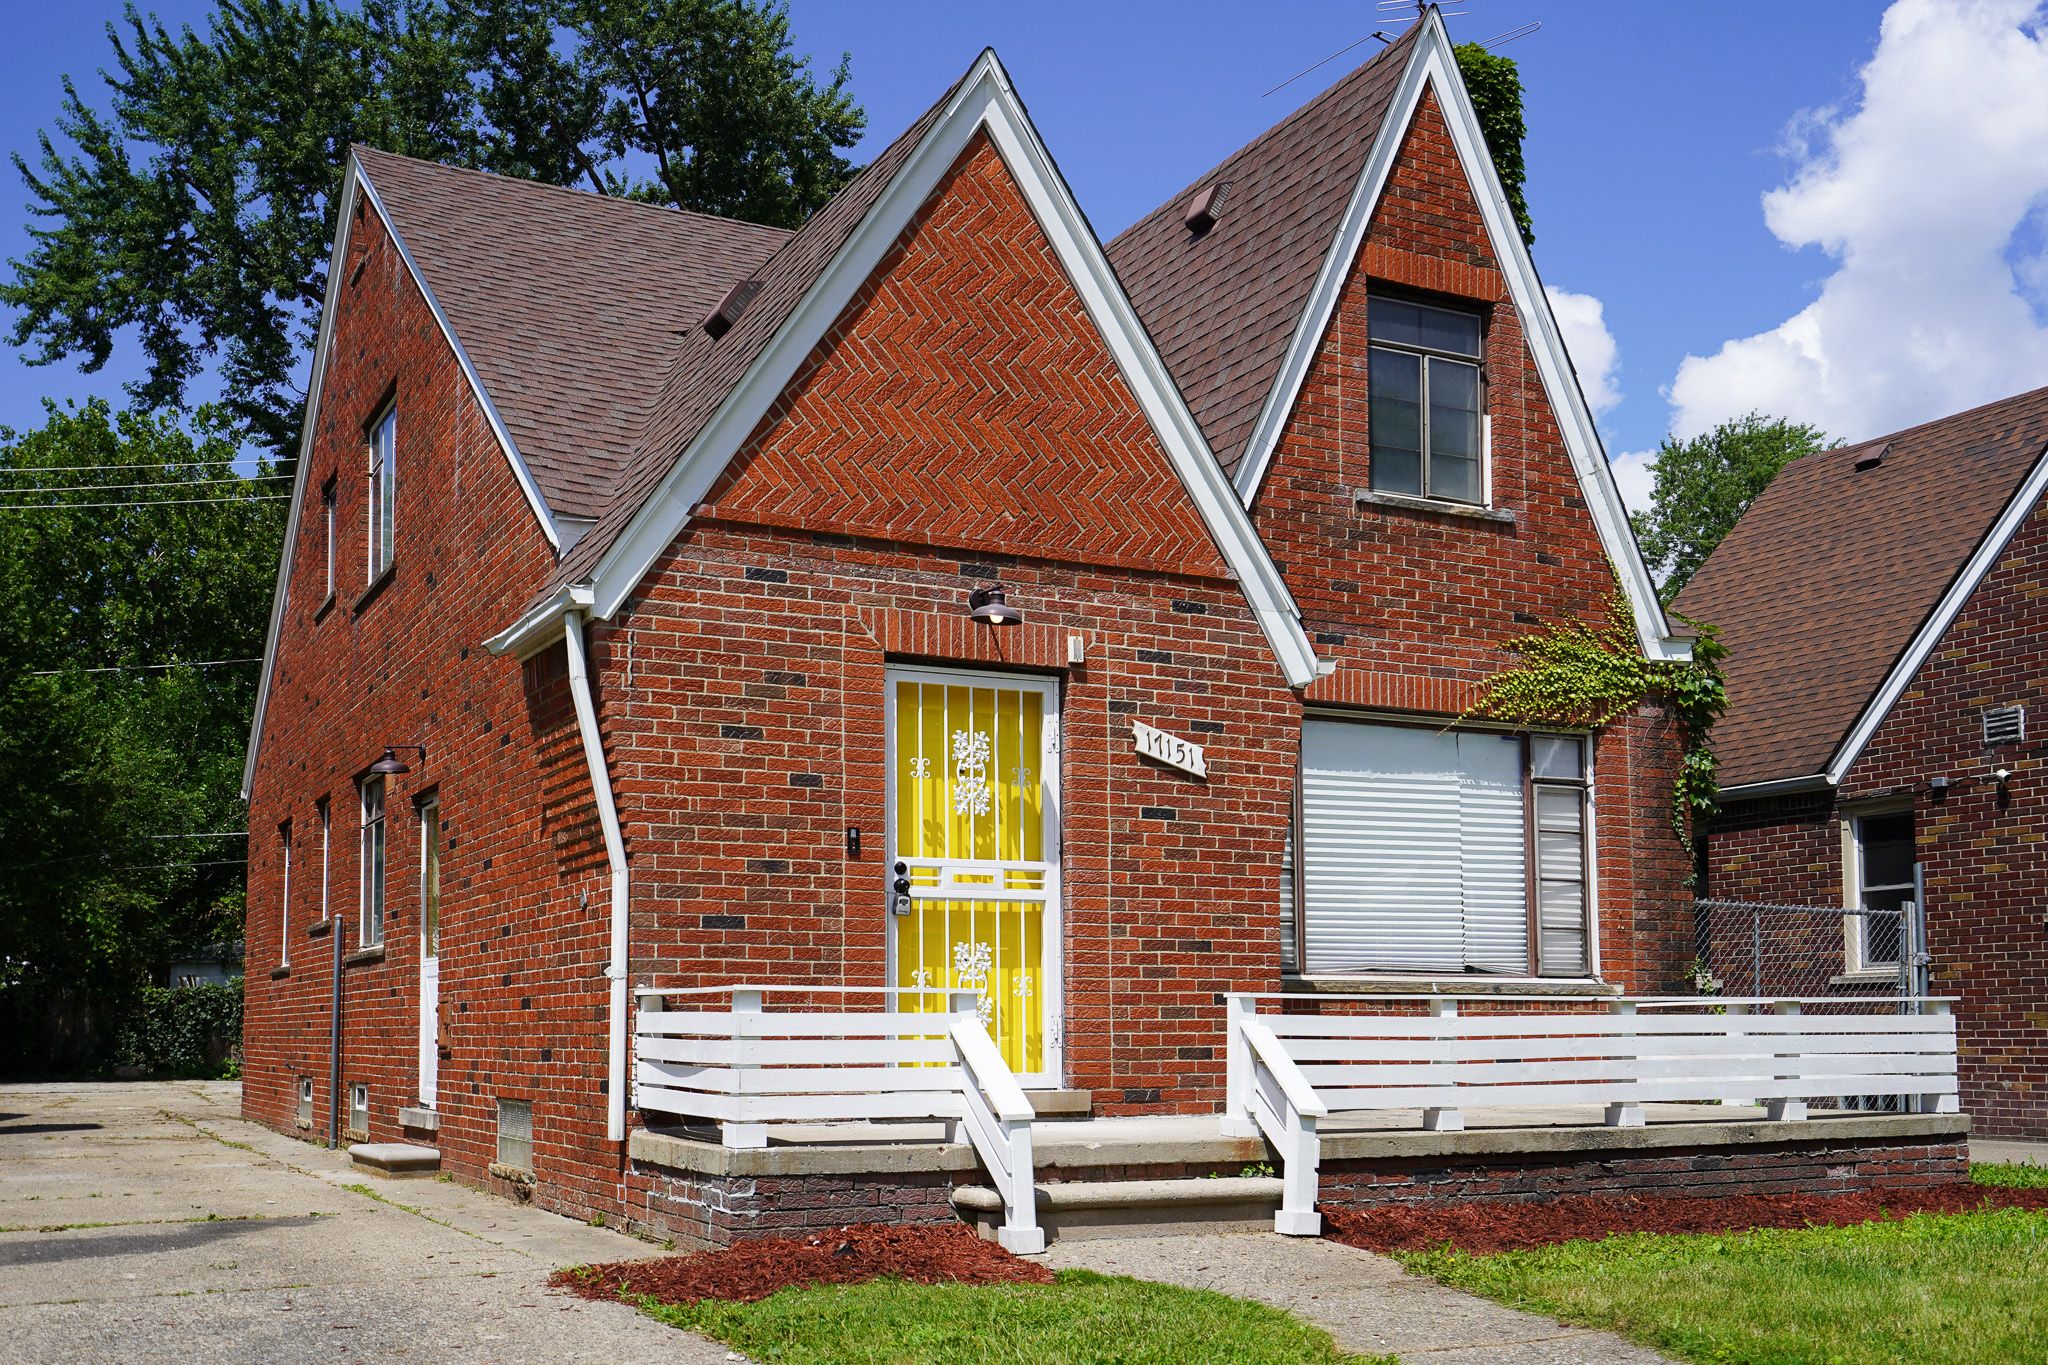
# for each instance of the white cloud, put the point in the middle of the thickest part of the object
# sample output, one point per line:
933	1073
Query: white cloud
1583	321
1922	194
1632	473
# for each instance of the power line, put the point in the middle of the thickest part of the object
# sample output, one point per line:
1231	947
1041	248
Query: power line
145	502
216	834
85	468
120	487
144	668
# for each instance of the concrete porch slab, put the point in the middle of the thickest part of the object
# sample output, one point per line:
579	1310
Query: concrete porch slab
395	1158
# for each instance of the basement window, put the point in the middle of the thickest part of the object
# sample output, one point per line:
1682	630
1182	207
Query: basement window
515	1134
1427	398
2004	725
305	1114
359	1109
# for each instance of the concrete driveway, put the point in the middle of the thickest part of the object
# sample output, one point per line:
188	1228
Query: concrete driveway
148	1221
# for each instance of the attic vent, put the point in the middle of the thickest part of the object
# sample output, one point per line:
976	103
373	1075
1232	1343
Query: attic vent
1873	457
2004	725
727	310
1206	207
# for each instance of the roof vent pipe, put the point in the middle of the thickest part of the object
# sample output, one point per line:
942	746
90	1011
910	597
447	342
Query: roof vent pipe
1206	207
1873	457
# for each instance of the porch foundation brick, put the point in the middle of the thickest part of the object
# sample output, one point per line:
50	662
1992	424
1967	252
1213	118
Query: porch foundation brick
704	1211
1824	1166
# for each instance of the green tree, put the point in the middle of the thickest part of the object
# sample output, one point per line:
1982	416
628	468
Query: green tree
125	543
1704	485
1495	85
194	211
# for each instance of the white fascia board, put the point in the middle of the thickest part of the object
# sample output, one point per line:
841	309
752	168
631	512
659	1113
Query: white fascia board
1781	786
541	625
1924	641
985	100
1432	65
356	185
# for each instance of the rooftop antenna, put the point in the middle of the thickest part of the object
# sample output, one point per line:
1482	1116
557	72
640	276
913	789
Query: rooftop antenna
1501	38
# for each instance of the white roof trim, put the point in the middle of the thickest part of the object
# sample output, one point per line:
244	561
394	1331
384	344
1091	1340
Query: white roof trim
984	100
356	182
1432	65
1781	786
1924	641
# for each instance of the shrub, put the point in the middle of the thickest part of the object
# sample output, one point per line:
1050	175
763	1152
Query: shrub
189	1031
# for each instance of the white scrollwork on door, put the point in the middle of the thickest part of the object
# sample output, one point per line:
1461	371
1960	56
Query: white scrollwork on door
971	794
985	1010
920	766
971	962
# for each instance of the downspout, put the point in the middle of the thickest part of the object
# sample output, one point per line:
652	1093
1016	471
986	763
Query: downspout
615	857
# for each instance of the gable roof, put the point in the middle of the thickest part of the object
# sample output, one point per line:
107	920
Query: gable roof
571	323
720	389
1223	304
1837	583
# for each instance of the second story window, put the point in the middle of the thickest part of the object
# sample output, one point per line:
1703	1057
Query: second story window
383	488
284	896
327	534
1427	401
373	862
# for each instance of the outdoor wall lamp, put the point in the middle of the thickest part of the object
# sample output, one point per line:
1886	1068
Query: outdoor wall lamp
391	764
988	606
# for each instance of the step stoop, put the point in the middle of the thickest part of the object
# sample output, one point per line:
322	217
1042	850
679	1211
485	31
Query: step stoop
395	1158
1083	1209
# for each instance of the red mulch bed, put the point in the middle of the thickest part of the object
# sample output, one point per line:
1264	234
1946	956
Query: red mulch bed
746	1271
1488	1227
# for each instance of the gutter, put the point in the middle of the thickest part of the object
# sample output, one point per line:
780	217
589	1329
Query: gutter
1783	786
615	856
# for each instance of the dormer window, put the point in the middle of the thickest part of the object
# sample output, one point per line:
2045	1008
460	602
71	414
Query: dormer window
1427	401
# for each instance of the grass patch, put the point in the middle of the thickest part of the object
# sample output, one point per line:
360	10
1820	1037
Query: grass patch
1959	1288
2009	1175
1081	1317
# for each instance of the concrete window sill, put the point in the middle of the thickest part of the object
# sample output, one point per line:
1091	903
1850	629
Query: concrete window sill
375	590
364	955
280	973
319	927
1369	497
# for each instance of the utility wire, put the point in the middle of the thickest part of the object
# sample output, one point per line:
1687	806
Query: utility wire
230	479
216	834
85	468
145	502
144	668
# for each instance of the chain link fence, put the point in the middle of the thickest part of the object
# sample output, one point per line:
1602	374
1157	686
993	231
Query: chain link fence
1826	957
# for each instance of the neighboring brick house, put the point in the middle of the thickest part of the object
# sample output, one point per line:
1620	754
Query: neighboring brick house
671	590
1885	606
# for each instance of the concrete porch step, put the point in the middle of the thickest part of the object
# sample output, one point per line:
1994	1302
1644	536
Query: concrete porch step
1076	1209
1061	1104
395	1158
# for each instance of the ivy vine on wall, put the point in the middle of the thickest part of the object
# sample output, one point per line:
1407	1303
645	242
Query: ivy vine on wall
1582	676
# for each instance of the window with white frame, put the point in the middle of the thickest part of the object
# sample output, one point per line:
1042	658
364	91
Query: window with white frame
1880	875
383	490
327	499
373	856
305	1113
430	877
326	833
1424	849
359	1108
1426	400
284	895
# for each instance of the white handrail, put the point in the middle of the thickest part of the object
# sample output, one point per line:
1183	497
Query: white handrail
998	1123
1592	1001
1266	1047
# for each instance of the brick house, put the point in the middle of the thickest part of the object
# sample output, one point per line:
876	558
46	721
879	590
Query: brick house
1884	610
633	630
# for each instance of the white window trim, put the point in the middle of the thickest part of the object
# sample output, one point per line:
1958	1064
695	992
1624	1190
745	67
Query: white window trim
1855	967
428	809
363	901
382	499
284	900
1427	354
326	831
329	500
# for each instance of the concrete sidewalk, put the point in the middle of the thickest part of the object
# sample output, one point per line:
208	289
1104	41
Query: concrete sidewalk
2010	1151
148	1221
1367	1302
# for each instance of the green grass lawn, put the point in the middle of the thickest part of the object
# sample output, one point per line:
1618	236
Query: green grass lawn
1936	1288
1083	1317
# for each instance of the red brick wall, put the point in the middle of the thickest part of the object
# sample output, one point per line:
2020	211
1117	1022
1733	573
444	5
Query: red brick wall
1985	861
747	680
1414	605
520	950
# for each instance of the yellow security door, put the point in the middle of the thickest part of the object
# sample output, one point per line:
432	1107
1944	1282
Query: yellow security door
974	828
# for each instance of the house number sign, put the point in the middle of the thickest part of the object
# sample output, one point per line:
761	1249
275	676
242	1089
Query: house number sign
1171	750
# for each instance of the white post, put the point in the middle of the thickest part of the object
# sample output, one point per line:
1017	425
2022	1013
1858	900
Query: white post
962	1005
1300	1177
744	1134
1786	1108
1738	1040
1237	1089
1020	1233
1944	1104
1445	1118
1626	1113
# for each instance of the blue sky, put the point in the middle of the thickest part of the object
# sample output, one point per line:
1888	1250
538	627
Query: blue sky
1657	131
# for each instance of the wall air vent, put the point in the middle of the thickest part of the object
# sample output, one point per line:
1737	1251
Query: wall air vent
1206	207
2004	725
1870	457
727	310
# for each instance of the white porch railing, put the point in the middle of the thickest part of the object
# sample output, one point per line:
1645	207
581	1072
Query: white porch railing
746	1067
1287	1071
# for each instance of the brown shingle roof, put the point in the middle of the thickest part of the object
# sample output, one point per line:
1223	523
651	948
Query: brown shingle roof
1222	305
569	304
1831	572
706	371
